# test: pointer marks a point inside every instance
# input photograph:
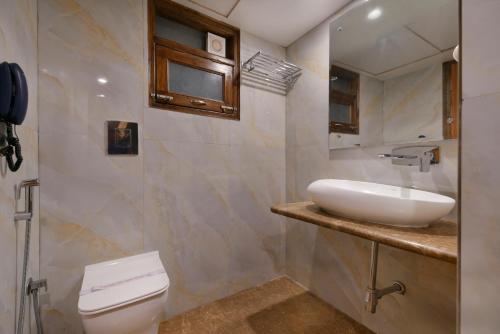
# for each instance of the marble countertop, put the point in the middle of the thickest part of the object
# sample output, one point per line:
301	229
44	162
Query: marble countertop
439	240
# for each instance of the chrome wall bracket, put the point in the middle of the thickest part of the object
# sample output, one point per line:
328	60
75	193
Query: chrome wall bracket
27	185
372	293
35	286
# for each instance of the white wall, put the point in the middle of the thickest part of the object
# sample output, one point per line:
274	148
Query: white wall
18	31
480	224
199	191
333	265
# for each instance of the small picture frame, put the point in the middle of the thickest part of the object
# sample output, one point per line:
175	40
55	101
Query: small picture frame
123	138
216	44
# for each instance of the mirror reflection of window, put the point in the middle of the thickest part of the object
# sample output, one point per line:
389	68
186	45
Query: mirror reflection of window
344	92
400	52
340	113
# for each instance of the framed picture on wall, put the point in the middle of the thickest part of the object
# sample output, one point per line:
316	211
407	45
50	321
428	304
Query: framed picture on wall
122	138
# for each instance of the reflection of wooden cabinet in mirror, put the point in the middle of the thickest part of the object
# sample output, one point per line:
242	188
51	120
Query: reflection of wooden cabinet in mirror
184	75
450	100
344	101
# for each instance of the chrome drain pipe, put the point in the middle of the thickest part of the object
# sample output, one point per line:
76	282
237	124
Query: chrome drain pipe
372	293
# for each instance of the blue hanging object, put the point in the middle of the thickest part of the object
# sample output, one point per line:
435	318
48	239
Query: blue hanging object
13	108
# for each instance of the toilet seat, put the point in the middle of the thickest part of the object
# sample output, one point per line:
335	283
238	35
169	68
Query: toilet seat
113	284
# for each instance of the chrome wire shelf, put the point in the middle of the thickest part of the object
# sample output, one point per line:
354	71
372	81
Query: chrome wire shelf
269	73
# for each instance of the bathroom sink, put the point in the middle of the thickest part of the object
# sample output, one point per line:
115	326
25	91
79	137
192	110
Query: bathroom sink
380	203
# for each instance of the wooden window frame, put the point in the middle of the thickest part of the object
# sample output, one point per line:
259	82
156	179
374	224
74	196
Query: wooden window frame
161	51
349	99
451	100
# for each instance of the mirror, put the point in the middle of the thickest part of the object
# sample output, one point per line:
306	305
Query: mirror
393	78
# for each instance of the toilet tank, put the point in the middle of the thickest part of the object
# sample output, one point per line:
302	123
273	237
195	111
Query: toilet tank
116	283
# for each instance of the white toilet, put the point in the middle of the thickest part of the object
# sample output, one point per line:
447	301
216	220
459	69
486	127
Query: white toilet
124	296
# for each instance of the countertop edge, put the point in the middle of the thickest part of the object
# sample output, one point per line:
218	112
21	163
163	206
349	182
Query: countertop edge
421	249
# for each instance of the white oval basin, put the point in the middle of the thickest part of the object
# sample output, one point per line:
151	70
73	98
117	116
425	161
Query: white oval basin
380	203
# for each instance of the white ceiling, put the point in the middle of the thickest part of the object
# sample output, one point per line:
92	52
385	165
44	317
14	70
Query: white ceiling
220	7
278	21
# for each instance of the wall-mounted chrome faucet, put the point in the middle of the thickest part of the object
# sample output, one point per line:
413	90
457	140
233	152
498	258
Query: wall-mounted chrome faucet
422	156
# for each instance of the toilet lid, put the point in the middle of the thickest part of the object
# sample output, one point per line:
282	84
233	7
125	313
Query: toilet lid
116	283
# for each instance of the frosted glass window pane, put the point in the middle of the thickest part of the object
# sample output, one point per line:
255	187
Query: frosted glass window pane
340	113
180	33
341	84
194	82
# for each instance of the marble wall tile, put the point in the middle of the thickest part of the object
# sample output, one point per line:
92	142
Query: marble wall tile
481	64
303	124
413	106
209	184
333	265
480	218
18	31
480	251
199	191
336	266
180	127
78	40
208	216
343	140
91	203
371	112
